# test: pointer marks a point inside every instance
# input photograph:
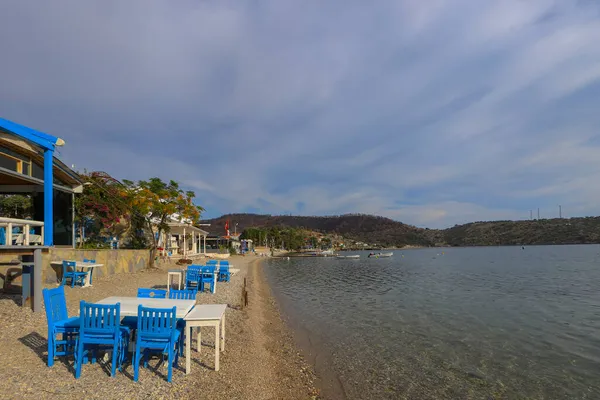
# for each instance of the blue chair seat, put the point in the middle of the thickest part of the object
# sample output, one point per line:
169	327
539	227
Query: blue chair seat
68	325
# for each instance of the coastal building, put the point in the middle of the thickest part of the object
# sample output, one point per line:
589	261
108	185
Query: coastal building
28	166
183	239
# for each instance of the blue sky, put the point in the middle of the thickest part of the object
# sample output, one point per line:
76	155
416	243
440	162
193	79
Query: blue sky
428	112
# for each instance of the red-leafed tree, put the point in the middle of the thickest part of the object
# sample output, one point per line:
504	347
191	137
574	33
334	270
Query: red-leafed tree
102	208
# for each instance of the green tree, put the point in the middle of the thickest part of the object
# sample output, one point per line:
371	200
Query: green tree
16	206
154	201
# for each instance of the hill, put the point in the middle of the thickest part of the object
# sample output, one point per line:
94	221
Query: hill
389	233
364	228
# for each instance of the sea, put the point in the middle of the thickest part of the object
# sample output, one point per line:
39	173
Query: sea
448	323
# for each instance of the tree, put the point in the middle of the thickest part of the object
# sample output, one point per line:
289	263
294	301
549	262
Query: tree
155	201
103	208
16	206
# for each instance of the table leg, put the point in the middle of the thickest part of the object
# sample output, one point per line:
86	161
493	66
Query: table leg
217	336
88	278
179	281
199	339
214	283
188	344
37	280
223	333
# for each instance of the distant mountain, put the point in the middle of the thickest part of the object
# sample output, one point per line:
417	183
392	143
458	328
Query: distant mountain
389	233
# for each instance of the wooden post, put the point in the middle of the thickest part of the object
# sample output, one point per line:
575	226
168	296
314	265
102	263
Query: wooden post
26	235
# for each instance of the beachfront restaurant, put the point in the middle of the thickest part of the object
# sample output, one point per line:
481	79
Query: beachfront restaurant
182	240
29	167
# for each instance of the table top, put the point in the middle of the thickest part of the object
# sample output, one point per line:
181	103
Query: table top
206	312
80	264
129	305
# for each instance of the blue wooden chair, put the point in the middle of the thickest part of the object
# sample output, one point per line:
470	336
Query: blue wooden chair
186	294
224	274
211	262
152	293
207	276
189	294
59	323
156	331
70	272
192	277
100	328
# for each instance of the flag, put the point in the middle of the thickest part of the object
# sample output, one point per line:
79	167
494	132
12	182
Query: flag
227	228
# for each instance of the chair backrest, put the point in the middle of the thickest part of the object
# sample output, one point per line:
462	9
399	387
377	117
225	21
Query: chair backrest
209	269
67	265
223	262
88	260
156	323
223	268
99	320
56	305
185	294
152	293
211	262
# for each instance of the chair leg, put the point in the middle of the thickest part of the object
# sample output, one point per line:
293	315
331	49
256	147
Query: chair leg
78	359
170	361
50	349
115	356
136	364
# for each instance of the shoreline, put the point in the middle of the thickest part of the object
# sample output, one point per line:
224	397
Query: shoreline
315	354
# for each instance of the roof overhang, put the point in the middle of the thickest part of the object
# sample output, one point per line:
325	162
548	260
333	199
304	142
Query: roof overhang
187	227
15	182
45	141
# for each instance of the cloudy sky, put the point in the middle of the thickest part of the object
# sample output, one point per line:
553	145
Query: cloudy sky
429	112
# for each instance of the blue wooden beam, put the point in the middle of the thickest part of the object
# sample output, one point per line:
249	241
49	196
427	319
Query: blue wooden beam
48	197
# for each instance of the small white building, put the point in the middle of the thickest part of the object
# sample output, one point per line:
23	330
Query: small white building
183	239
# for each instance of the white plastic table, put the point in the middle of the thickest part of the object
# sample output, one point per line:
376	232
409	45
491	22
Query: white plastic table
129	305
205	315
80	264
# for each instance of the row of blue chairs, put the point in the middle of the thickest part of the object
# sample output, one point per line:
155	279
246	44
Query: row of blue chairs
196	276
99	327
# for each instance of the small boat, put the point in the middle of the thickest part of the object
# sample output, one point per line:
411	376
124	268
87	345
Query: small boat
380	255
352	256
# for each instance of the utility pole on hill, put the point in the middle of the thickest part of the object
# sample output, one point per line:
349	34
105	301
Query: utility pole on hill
538	213
559	211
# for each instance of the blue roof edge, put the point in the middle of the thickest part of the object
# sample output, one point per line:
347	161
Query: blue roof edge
40	138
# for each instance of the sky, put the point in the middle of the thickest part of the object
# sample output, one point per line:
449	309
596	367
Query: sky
432	113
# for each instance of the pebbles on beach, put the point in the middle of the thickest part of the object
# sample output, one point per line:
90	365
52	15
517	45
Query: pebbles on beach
260	360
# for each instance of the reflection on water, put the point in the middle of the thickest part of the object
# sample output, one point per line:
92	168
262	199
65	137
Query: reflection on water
462	323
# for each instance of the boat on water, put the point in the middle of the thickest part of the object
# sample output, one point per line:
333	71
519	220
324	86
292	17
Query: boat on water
352	256
380	255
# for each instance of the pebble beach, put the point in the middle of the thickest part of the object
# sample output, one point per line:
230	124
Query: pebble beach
260	360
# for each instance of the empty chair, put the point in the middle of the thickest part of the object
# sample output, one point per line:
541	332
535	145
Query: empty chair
186	294
70	272
59	323
192	277
152	293
100	328
223	262
207	276
223	275
156	331
211	262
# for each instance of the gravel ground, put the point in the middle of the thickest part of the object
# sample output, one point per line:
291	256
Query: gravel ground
260	359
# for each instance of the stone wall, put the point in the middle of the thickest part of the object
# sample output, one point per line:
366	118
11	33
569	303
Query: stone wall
115	261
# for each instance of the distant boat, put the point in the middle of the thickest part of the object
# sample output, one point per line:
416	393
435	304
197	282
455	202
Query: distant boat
352	256
380	255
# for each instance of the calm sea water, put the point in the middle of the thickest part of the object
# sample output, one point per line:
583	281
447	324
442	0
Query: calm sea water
458	323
